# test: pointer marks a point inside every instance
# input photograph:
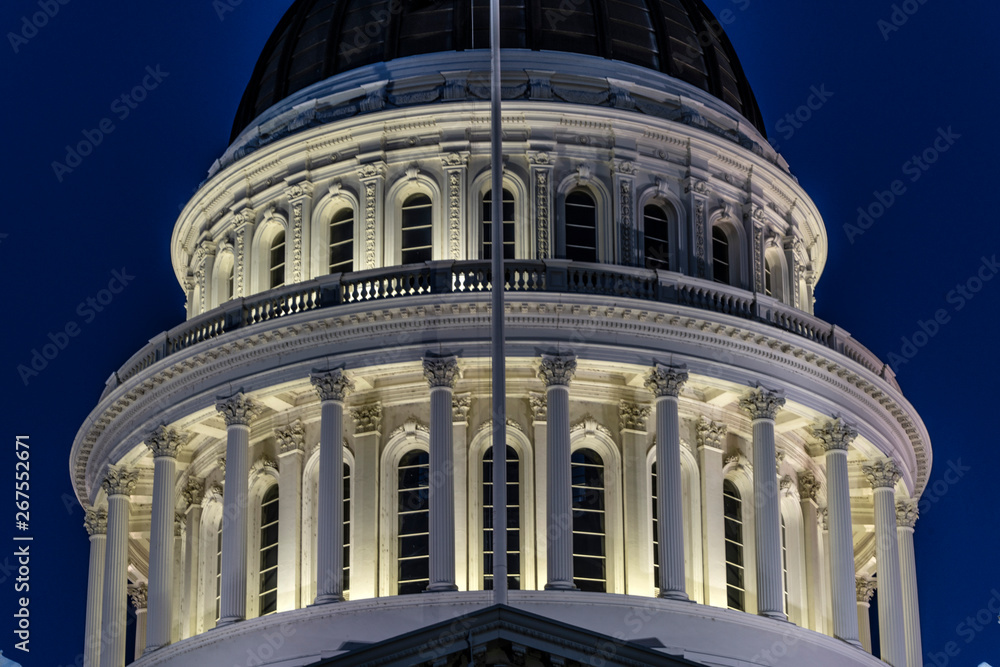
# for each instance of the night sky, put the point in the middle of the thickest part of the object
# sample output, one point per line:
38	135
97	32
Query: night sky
884	94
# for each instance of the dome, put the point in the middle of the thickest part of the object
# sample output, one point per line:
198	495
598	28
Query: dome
317	39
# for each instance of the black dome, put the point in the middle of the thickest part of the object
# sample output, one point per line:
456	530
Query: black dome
317	39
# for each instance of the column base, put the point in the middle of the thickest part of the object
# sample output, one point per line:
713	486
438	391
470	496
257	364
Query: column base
327	598
853	642
561	586
674	595
440	588
150	649
776	615
229	620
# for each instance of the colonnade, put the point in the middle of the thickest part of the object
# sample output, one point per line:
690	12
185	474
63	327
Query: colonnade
847	600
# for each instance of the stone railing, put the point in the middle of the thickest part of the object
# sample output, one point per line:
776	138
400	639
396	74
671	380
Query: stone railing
463	277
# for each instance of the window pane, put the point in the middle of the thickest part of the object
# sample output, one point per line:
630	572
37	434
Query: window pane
720	256
657	237
513	519
278	260
415	228
412	523
581	227
342	241
508	225
587	473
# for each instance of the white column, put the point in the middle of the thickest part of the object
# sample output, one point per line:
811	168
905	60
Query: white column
762	406
865	589
290	454
332	388
665	383
97	526
238	411
883	475
836	436
365	540
639	527
906	518
118	484
163	443
711	436
556	371
808	487
140	596
194	492
441	374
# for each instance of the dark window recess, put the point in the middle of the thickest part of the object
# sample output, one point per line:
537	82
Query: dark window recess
342	241
581	227
415	229
589	549
720	256
277	260
508	225
733	512
413	478
269	552
656	226
513	520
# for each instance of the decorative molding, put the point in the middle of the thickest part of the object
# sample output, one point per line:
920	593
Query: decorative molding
221	463
906	514
178	523
710	433
239	409
808	485
787	485
369	232
215	491
779	458
589	426
299	191
460	406
96	521
632	416
823	515
367	418
666	380
865	589
164	441
332	386
194	491
739	462
539	406
291	438
120	480
882	473
441	371
372	170
454	213
539	158
297	241
762	403
262	463
557	369
835	434
542	211
627	227
138	595
488	426
410	428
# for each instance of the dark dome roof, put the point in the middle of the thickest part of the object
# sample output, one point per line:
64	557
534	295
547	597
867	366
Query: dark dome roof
317	39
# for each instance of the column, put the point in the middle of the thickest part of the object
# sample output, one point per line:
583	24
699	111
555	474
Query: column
96	523
711	439
139	595
836	436
539	432
639	527
237	411
882	475
332	388
808	488
118	485
906	518
865	589
164	443
665	383
460	406
178	582
194	493
364	550
441	374
762	405
556	371
290	455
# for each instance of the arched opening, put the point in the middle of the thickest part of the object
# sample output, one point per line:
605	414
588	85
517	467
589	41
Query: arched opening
341	237
656	237
589	526
581	227
509	227
268	577
513	520
735	576
415	226
413	512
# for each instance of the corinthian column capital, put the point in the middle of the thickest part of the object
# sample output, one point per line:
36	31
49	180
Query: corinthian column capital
710	433
632	416
238	409
441	371
96	522
906	513
367	418
164	441
882	473
138	594
808	485
120	480
666	380
291	438
835	434
194	491
332	386
866	588
557	369
762	403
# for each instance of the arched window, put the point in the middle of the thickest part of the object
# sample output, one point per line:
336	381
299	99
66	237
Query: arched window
347	529
508	225
720	256
415	226
269	552
218	573
581	227
413	512
733	512
513	520
656	233
342	241
589	552
656	534
277	260
768	278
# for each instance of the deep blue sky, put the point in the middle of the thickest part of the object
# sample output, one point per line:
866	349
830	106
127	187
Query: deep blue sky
60	241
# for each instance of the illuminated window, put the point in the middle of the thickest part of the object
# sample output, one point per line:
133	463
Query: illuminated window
269	552
656	233
347	529
589	551
733	512
768	287
656	535
278	260
413	516
218	573
720	256
581	227
342	241
508	225
513	520
416	229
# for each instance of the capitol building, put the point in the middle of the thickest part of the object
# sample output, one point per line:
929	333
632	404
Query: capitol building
699	470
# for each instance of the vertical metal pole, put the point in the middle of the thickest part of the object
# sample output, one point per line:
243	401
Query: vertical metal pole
499	374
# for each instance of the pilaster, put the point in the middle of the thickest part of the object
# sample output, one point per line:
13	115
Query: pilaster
291	451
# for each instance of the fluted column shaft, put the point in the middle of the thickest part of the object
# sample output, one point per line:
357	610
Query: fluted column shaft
883	476
763	405
97	525
332	389
906	517
865	588
163	442
557	371
118	484
441	374
238	412
665	383
836	437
